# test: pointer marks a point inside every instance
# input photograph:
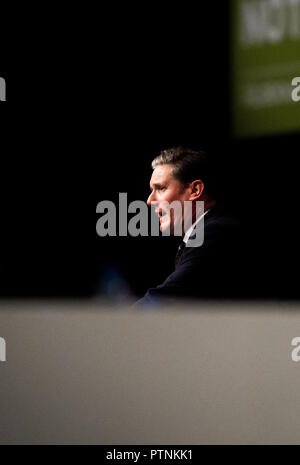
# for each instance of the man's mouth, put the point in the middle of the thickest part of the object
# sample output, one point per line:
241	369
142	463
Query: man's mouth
160	213
162	216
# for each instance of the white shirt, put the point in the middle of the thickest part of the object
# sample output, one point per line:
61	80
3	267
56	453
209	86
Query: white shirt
191	229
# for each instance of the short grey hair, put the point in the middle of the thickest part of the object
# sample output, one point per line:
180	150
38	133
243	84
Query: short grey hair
188	165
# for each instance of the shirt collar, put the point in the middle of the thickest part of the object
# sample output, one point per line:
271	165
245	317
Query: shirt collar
191	228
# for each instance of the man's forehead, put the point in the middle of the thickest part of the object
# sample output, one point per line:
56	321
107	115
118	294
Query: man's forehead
161	173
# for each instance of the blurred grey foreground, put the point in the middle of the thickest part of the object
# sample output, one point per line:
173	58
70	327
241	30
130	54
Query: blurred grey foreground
208	373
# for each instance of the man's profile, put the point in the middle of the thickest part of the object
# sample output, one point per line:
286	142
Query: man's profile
184	175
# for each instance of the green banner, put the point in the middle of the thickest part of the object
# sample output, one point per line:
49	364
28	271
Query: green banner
266	60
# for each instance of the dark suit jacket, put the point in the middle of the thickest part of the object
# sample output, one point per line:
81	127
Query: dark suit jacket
211	270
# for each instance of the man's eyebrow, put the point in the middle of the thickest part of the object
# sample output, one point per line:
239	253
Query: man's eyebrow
156	185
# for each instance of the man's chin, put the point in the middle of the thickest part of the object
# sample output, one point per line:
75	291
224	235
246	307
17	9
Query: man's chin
162	228
169	229
166	228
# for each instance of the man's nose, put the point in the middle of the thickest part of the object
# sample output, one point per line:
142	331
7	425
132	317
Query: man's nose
151	198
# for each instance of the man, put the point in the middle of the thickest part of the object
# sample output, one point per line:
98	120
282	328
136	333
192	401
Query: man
211	269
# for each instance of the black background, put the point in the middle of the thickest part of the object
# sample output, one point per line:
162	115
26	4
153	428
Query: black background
88	107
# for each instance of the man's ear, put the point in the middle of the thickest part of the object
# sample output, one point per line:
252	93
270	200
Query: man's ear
197	188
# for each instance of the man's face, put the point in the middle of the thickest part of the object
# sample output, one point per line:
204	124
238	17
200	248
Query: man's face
165	188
